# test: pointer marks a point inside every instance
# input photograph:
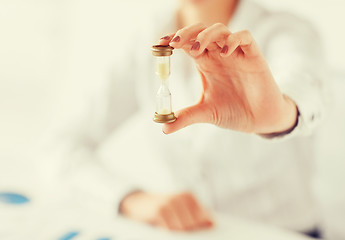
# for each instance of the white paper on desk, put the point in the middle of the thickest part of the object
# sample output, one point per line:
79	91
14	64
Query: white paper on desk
51	216
54	222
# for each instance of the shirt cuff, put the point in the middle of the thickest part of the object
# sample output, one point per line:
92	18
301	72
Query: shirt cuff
307	98
286	132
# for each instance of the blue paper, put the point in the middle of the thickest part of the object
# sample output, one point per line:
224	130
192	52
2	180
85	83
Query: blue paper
13	198
69	236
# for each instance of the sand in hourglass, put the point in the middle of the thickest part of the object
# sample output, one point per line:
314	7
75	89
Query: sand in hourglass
163	71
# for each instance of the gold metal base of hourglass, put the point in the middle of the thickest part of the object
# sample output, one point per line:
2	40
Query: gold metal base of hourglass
164	118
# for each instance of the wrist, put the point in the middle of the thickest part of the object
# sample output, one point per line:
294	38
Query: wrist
290	115
288	119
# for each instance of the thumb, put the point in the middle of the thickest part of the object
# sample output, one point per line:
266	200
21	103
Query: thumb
194	114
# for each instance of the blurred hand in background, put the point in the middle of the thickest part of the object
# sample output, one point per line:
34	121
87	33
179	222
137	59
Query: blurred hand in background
180	212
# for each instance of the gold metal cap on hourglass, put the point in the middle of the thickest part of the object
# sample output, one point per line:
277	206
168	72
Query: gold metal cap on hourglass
164	118
162	50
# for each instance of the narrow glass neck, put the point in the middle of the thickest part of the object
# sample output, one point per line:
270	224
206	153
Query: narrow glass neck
164	88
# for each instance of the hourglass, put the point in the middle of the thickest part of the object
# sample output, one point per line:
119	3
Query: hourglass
163	112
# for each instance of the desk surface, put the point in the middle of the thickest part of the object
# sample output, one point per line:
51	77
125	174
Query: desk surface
58	215
62	220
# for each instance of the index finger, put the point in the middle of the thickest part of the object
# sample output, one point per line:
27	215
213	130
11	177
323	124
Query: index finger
185	35
165	40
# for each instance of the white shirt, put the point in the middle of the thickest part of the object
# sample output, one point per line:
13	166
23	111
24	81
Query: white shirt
112	146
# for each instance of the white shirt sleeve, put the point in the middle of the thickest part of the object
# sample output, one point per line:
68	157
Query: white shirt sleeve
293	51
89	116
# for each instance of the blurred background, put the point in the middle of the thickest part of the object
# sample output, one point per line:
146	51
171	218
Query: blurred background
46	44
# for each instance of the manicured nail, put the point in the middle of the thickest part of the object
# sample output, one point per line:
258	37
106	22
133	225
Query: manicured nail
225	49
176	39
165	38
196	46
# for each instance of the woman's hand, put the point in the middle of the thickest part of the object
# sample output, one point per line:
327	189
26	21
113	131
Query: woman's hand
239	91
179	212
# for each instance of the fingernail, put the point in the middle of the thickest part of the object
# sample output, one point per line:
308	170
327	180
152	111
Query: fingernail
196	46
176	39
164	132
166	37
225	49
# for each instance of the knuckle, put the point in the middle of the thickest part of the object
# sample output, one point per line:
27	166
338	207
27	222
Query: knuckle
231	37
222	28
203	35
219	25
234	38
187	112
180	32
246	33
201	25
185	30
